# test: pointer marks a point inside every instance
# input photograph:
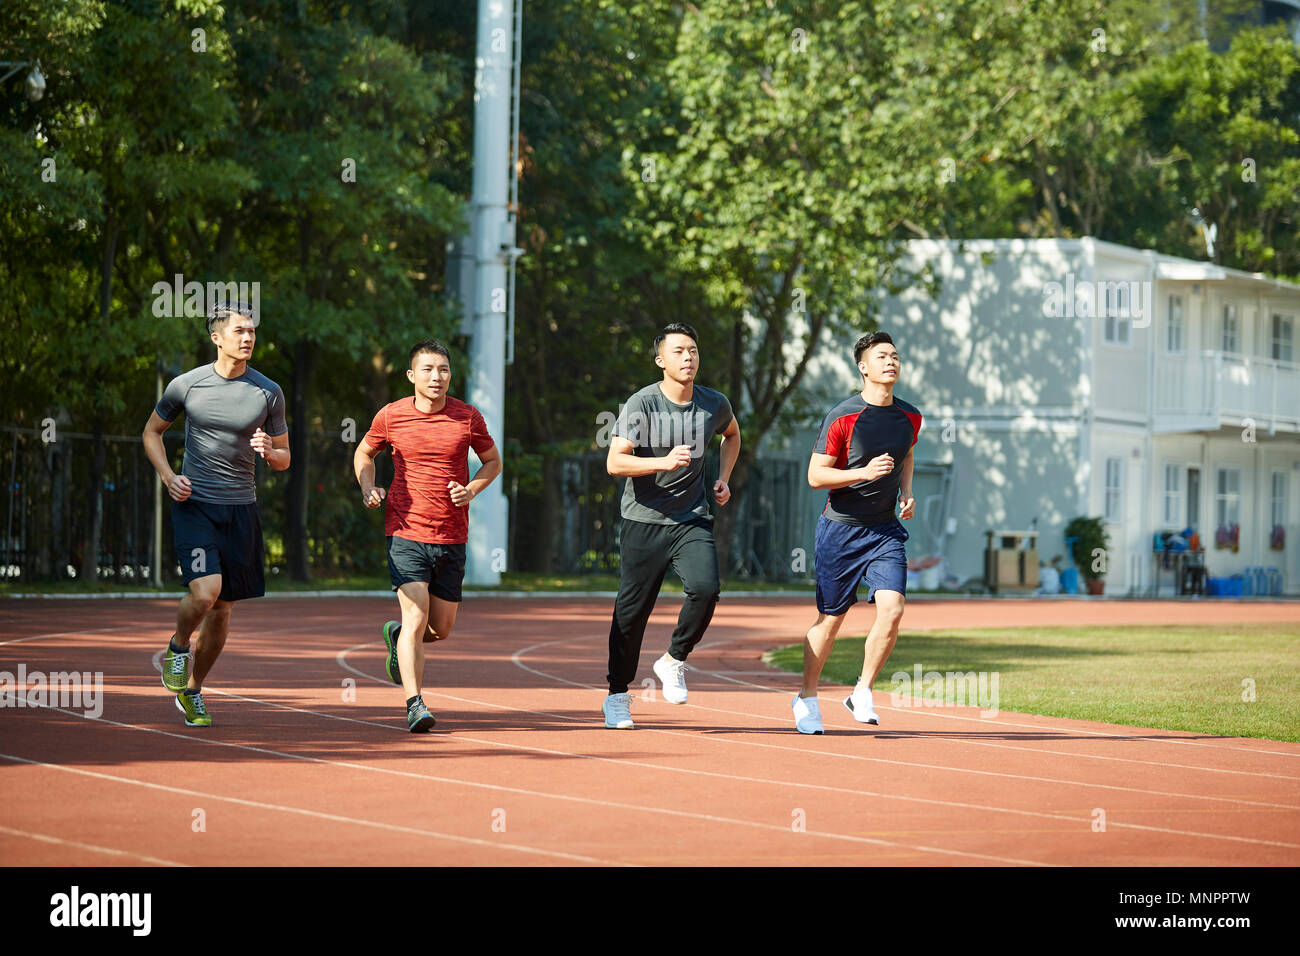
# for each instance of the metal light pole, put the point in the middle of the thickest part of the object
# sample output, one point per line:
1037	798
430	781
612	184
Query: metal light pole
492	225
35	79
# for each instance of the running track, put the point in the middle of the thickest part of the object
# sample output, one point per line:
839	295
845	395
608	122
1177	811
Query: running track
521	771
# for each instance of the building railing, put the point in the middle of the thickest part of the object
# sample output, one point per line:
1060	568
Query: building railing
1211	385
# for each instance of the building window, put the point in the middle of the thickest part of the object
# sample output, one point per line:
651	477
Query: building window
1227	499
1174	325
1277	500
1173	495
1228	340
1283	336
1116	324
1112	502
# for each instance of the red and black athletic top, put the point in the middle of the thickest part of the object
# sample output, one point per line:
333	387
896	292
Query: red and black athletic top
854	433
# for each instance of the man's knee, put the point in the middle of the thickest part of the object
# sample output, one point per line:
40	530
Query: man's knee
706	590
889	607
205	592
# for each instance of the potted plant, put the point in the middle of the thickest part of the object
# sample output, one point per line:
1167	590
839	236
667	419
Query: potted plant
1089	536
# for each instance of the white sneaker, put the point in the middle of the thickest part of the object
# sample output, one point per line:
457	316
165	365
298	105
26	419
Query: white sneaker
859	705
617	709
808	715
673	674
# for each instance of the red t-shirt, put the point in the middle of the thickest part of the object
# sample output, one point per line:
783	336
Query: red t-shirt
429	450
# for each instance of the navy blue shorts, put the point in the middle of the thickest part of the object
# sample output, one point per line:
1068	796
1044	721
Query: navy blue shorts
220	539
441	566
848	553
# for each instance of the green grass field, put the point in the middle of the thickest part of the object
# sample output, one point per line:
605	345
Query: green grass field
1171	678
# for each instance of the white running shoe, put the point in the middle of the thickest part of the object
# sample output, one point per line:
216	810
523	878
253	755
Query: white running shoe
808	715
673	674
859	705
618	711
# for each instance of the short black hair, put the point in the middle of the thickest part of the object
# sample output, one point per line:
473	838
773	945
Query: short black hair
676	328
867	341
429	345
225	311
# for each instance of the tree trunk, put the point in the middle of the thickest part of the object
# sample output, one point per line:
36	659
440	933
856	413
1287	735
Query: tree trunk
296	490
90	556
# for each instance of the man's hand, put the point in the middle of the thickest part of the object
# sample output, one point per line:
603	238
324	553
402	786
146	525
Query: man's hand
878	467
178	486
679	457
374	497
261	443
909	506
460	495
721	493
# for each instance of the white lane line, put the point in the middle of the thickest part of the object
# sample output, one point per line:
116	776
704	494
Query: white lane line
927	766
456	781
300	811
93	630
341	657
46	838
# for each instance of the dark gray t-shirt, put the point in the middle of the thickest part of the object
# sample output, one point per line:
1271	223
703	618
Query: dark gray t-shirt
655	426
221	416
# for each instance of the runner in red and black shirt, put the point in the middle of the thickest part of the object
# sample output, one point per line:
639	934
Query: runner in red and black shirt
427	518
863	456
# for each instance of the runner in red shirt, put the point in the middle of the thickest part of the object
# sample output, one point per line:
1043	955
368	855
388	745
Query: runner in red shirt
427	519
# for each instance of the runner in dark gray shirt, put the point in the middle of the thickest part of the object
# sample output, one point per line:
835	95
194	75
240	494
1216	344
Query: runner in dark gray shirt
658	445
232	415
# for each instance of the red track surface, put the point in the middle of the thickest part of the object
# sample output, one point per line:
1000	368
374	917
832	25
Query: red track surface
301	768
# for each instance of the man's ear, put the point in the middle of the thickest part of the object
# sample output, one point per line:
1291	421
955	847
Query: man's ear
410	376
659	360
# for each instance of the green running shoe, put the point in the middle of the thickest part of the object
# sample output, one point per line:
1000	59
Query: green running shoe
175	669
418	718
390	638
191	705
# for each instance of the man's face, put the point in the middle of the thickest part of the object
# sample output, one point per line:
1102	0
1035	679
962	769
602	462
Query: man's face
235	337
880	364
431	374
679	357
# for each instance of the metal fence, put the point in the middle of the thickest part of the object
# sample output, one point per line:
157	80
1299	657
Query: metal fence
570	526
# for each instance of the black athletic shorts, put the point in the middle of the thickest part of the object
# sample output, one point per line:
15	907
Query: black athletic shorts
441	566
220	539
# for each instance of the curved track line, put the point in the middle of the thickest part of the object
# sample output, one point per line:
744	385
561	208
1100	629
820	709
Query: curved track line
456	781
991	720
341	657
928	766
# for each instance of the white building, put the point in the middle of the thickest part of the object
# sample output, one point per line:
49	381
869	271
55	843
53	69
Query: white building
1079	377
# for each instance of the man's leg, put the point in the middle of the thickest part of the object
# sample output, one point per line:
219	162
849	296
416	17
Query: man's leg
209	642
442	618
413	596
817	644
883	636
643	562
695	559
204	593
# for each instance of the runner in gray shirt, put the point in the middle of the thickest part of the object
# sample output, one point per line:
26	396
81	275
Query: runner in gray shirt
232	415
658	445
